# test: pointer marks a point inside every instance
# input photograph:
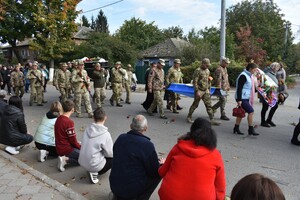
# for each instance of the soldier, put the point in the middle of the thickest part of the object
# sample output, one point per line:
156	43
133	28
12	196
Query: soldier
116	75
17	81
221	79
202	82
81	83
128	83
61	81
156	86
36	84
99	76
174	76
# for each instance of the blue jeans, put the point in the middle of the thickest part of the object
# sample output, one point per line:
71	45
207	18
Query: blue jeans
73	157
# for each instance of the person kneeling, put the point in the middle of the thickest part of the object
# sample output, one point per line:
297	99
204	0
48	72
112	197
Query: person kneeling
97	147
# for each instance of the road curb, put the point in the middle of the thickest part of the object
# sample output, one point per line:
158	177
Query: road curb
65	191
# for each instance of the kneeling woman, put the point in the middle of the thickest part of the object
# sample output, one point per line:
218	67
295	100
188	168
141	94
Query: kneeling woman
13	132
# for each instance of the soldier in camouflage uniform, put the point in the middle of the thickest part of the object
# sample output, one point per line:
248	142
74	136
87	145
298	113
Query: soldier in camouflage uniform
156	86
128	83
202	82
116	75
17	81
174	76
221	81
81	83
99	77
36	84
61	81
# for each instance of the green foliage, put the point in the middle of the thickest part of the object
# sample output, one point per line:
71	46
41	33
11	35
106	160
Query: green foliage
267	25
290	82
173	32
85	21
105	46
293	59
93	23
55	25
139	34
101	23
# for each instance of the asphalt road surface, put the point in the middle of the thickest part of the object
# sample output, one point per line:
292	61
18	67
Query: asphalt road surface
270	153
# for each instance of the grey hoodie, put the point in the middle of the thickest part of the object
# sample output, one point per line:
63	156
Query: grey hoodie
95	146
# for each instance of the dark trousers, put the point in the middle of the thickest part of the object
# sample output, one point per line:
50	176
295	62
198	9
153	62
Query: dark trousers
7	83
296	133
50	149
146	194
147	103
107	166
73	157
265	107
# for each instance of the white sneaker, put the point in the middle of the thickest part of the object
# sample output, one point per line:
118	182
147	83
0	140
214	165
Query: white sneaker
61	163
11	150
19	147
42	156
94	177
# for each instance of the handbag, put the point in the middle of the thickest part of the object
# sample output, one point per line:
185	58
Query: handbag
238	112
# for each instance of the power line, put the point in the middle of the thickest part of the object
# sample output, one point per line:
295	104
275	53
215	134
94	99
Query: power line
103	6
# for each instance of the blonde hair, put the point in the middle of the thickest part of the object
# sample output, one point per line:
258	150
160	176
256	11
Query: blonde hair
56	108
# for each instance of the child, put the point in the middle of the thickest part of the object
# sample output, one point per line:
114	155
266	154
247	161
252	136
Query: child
44	136
67	146
96	150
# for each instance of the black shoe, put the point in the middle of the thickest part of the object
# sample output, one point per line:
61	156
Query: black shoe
121	99
119	105
128	102
224	118
111	102
179	108
168	106
40	104
163	117
271	123
251	131
265	124
45	101
295	142
236	130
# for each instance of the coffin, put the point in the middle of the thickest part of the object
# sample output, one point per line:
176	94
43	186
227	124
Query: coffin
188	90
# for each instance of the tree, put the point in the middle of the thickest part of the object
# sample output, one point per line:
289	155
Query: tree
85	21
139	34
249	46
173	32
93	24
266	22
105	46
55	25
17	24
101	23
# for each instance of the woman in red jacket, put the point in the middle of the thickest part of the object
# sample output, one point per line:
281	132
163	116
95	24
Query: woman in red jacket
194	168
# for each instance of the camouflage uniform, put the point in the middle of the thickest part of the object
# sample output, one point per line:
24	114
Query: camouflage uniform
156	85
17	82
174	76
81	82
62	83
116	76
202	84
99	77
36	86
221	81
128	83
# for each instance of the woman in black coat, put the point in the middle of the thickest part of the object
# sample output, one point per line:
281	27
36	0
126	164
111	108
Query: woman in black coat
13	132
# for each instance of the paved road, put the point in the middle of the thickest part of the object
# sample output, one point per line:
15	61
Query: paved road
270	153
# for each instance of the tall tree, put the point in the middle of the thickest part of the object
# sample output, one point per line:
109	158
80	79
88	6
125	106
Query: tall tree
173	32
85	21
55	24
101	23
17	23
266	22
139	34
93	23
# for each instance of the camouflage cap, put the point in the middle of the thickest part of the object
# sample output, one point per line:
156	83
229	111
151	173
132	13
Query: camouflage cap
64	65
177	61
80	62
226	60
129	66
35	63
118	63
162	62
206	61
97	65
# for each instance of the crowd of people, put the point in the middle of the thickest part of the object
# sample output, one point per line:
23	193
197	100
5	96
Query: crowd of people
136	170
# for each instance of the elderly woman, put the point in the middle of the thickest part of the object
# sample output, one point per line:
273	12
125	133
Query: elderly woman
13	131
194	168
271	72
244	96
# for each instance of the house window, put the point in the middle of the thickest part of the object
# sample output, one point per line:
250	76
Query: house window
167	62
23	52
146	63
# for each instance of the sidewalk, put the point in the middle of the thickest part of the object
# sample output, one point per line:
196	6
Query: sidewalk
20	181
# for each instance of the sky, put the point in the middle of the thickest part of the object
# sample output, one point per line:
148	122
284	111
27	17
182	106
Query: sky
187	14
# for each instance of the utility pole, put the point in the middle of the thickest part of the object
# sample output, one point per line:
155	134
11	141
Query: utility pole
223	31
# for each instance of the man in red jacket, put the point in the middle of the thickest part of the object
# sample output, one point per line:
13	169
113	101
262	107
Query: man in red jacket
67	146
